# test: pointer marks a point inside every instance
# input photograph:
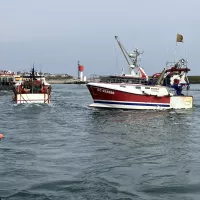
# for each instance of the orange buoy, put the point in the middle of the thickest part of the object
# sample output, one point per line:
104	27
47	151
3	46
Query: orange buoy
1	136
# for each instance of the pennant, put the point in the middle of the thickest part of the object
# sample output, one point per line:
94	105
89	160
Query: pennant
179	38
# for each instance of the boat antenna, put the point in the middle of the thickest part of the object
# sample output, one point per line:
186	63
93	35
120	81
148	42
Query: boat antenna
179	38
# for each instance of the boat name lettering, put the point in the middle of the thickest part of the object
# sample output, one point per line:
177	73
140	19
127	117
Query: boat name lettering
154	89
105	91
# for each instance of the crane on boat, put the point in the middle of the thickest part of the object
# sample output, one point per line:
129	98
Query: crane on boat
132	60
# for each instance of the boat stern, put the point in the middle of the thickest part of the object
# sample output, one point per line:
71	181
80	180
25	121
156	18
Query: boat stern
181	102
32	98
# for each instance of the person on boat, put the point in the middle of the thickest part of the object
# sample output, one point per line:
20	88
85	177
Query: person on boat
19	88
49	89
167	80
177	87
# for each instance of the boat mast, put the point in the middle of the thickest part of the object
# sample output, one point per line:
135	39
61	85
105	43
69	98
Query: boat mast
32	77
133	57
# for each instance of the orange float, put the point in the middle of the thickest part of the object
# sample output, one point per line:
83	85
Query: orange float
1	136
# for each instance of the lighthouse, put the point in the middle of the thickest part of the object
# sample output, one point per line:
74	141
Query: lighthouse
80	72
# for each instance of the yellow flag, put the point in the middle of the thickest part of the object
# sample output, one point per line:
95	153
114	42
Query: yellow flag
179	38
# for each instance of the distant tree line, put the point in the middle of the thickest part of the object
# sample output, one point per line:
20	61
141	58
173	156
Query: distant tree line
194	79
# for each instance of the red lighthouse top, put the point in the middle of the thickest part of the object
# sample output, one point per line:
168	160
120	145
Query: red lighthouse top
80	68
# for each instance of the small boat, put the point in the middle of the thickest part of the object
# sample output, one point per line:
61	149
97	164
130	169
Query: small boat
165	90
32	89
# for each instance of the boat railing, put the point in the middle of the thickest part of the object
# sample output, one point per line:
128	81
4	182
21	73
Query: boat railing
182	63
129	80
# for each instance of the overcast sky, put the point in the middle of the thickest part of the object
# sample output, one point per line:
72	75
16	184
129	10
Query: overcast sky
55	34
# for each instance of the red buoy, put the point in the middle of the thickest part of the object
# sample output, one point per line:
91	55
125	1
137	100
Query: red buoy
1	136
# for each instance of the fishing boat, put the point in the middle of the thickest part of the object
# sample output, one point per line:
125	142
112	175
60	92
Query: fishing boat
31	88
165	90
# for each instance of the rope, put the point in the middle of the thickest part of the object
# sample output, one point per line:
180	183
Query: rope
22	98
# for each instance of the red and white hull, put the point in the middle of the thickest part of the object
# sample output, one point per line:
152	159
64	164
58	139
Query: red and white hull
135	96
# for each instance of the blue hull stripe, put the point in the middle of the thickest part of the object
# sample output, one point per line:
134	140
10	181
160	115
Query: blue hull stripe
132	104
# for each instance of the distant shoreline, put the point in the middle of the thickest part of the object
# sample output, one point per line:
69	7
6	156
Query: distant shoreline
65	81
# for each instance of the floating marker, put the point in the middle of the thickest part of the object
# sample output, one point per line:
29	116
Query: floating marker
1	136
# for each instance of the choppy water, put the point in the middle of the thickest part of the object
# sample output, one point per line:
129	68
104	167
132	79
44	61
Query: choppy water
68	151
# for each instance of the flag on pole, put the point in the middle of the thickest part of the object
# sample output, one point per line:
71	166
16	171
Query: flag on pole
179	38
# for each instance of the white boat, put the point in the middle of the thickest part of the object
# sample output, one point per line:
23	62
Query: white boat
166	90
32	89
